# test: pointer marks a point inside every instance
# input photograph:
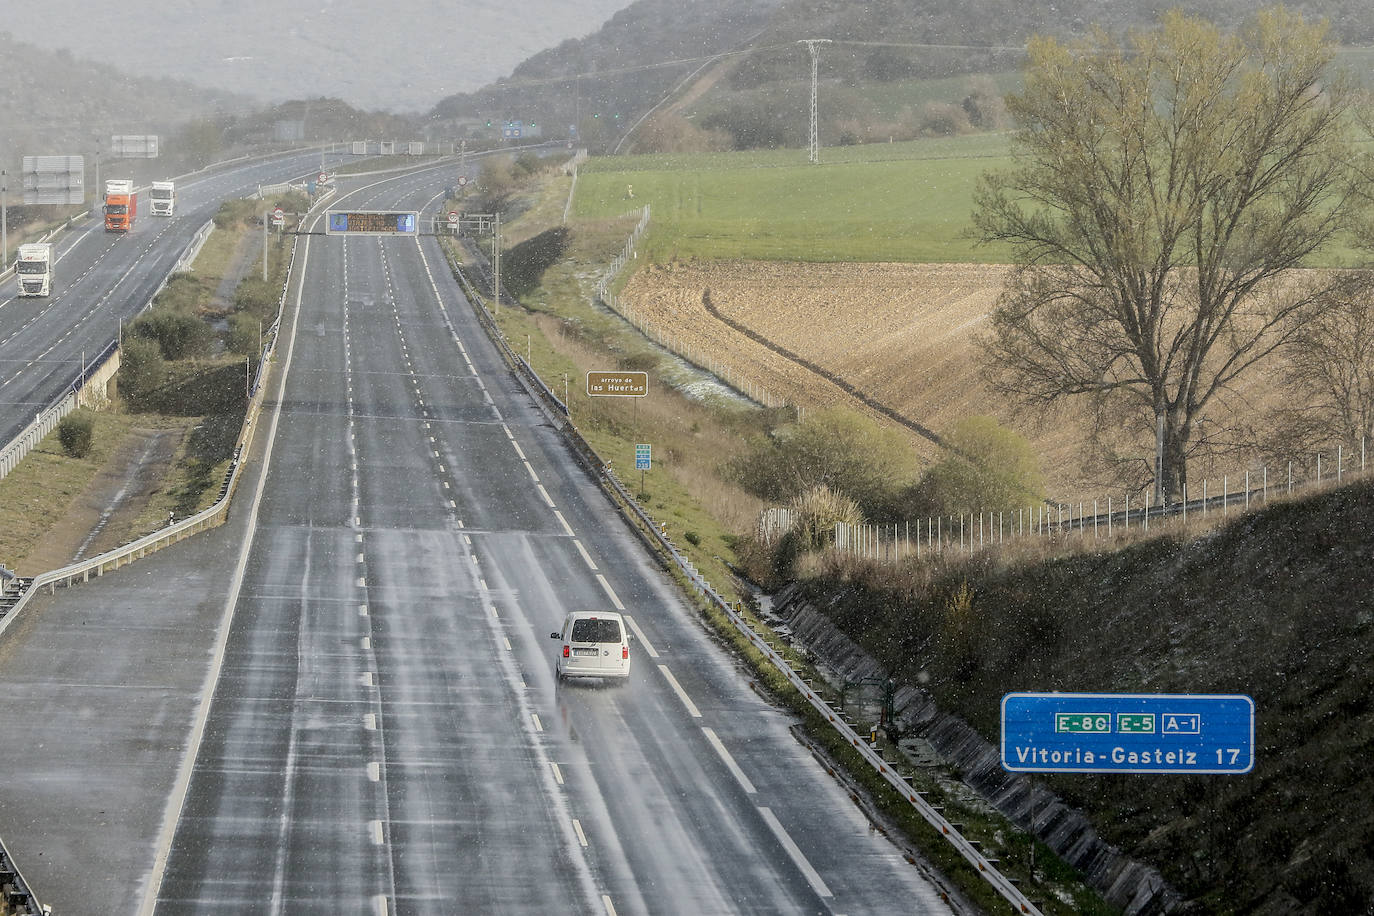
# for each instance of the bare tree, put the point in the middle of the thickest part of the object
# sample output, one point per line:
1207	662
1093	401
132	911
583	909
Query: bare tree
1331	360
1163	196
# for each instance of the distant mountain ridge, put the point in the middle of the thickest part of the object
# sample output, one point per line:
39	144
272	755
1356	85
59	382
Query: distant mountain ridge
401	57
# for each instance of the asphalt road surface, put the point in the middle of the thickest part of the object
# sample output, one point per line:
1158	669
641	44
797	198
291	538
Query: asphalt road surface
385	733
103	278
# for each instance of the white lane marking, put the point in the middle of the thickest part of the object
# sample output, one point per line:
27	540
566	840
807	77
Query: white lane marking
370	721
506	640
729	761
442	469
361	558
606	902
682	694
375	828
530	468
362	582
483	584
538	726
176	799
362	610
639	635
359	536
615	599
581	837
467	540
367	642
452	504
564	522
545	493
374	771
586	556
517	450
367	678
557	773
379	905
812	876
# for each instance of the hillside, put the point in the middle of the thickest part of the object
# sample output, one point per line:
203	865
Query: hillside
739	64
56	104
1278	605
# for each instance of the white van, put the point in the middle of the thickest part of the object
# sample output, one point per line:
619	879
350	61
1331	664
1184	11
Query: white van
593	644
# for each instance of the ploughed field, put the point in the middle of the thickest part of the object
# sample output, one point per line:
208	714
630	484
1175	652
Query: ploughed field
892	338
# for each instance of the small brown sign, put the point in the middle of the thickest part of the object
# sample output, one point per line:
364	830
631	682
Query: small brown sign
617	384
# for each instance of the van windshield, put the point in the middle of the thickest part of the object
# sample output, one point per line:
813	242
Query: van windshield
594	629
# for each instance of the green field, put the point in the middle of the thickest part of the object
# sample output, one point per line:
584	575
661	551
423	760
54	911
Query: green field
877	202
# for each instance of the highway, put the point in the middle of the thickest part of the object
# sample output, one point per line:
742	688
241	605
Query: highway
386	734
105	277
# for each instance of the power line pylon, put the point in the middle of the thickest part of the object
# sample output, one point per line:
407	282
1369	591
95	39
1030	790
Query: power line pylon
811	43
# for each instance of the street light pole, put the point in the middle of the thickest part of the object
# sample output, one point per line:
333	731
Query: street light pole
4	219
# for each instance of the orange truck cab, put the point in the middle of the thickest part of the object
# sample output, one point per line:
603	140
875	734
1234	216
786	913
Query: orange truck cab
121	205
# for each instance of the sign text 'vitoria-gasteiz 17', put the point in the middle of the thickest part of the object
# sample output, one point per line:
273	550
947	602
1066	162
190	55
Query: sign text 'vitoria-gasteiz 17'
1127	733
372	222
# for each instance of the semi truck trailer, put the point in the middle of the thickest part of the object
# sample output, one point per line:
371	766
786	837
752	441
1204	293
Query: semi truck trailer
163	196
121	205
33	268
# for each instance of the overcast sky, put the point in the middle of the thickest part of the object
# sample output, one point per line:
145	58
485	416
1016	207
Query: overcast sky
401	55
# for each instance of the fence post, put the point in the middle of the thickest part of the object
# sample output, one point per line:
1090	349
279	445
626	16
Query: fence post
1319	468
1204	497
1339	457
1290	477
1109	518
1128	512
1147	510
1185	502
1225	496
1247	489
1266	483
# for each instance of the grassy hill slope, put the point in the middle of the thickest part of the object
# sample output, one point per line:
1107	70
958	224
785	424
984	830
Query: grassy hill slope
1278	605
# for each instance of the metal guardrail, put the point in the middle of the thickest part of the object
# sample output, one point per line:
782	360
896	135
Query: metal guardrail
46	420
966	848
14	890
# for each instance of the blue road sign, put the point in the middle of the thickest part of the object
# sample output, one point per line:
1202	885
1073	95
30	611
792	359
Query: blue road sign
1127	733
642	457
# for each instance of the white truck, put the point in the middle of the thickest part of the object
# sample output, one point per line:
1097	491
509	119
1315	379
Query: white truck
33	268
164	197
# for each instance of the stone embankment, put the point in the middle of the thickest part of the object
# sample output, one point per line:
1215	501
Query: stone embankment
1137	888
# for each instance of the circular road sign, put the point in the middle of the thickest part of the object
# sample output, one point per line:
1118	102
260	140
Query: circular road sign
453	217
323	178
462	180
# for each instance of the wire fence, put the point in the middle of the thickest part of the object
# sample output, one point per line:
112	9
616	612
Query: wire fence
1073	522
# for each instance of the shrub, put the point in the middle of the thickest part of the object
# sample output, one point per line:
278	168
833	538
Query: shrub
818	511
178	335
76	432
244	335
257	297
991	467
845	451
141	369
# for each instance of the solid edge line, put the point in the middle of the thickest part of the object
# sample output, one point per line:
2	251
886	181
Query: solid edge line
176	801
643	640
681	694
729	761
813	877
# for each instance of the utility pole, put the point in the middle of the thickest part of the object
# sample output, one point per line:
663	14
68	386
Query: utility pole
811	43
4	219
496	265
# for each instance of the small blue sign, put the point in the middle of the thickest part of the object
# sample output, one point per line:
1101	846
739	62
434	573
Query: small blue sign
642	457
1127	733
